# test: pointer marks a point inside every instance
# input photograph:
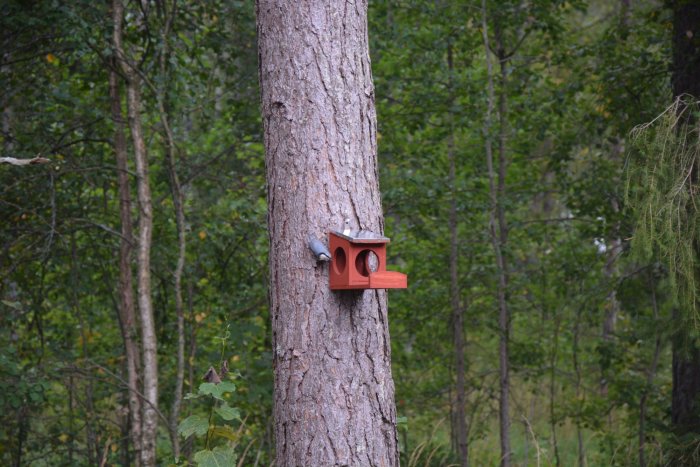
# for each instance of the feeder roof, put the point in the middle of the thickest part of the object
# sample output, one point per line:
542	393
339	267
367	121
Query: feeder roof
362	237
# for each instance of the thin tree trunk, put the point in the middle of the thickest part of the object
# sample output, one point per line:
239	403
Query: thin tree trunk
71	419
552	392
179	202
503	311
460	414
498	228
90	435
334	393
127	309
179	205
651	374
577	388
187	448
143	256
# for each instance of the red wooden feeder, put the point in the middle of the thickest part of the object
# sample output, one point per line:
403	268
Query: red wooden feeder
359	262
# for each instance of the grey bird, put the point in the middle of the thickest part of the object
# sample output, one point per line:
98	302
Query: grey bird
319	249
346	227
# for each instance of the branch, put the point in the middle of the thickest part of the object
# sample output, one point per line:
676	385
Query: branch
32	161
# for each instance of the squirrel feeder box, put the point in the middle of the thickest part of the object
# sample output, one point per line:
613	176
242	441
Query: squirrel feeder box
359	262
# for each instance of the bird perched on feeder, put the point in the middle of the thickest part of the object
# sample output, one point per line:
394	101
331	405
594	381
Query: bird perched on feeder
346	227
319	249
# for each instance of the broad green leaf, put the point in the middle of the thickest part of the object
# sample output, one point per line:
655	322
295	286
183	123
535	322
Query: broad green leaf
194	424
219	457
216	390
228	413
210	389
226	386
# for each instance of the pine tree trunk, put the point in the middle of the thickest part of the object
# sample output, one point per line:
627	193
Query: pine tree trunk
334	393
685	79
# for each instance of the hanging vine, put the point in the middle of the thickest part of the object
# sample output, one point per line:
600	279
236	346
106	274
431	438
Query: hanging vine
662	189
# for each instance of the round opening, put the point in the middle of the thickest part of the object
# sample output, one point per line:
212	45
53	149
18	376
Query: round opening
339	260
366	262
372	262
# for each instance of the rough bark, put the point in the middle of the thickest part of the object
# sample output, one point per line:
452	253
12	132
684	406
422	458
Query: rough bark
460	413
143	255
334	393
127	309
685	80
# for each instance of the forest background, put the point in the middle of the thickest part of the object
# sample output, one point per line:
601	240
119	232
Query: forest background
590	323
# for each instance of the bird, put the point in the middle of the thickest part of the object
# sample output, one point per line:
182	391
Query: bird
319	249
346	227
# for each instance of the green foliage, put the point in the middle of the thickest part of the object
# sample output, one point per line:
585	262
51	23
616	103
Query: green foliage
662	191
194	424
218	457
214	398
582	76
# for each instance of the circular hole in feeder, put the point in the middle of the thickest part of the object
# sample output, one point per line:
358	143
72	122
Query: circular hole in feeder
366	262
372	262
339	260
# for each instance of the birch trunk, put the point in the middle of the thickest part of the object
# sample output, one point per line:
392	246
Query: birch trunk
143	256
334	393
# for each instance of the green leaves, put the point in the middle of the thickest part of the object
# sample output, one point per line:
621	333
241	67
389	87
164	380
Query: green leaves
228	413
216	390
194	424
220	456
198	425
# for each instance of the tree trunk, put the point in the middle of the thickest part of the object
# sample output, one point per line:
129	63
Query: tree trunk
686	81
460	413
612	306
78	311
651	374
498	228
578	387
334	393
178	195
143	256
127	310
503	310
